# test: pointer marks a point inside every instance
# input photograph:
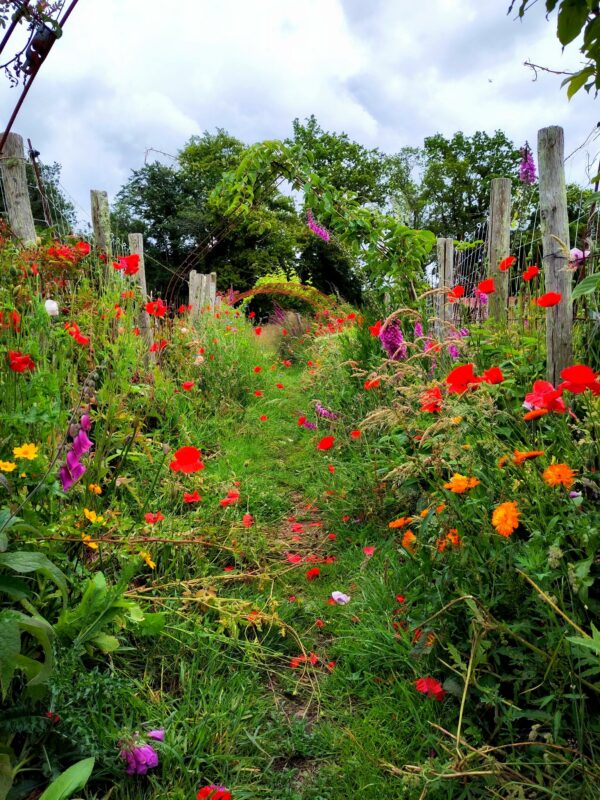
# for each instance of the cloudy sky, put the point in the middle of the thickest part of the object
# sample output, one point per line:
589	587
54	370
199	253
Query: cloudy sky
129	75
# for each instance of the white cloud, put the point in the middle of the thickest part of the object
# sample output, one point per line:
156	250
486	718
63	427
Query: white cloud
128	75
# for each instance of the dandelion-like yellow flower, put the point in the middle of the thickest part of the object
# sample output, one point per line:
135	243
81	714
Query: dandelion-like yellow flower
460	483
456	420
505	518
7	466
27	451
94	488
87	540
147	558
559	475
92	517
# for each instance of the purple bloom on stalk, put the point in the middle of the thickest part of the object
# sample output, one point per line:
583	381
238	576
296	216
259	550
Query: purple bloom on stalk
418	330
139	758
158	734
577	256
392	341
322	233
310	426
81	444
453	352
321	411
85	422
527	166
481	297
463	332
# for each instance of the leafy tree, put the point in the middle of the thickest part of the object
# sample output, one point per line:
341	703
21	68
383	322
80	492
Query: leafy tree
62	211
455	189
574	18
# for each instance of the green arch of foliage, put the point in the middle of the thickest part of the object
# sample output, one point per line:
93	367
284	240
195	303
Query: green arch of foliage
391	255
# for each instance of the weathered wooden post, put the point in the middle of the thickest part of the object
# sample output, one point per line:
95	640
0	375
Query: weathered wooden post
101	221
555	244
445	261
194	295
202	291
499	245
14	180
136	245
211	289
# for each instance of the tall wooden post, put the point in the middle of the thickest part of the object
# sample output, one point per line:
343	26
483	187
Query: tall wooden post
203	291
136	245
445	260
555	243
499	245
14	180
101	221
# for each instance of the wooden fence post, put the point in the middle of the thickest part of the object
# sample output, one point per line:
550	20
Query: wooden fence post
194	295
101	221
554	222
136	245
14	180
445	261
211	289
203	291
499	245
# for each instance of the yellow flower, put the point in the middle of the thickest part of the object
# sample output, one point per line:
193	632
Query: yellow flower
28	451
94	488
7	466
92	517
87	540
147	558
559	475
506	518
460	483
456	420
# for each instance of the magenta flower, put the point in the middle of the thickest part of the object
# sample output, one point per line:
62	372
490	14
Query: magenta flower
392	341
527	166
321	411
81	444
322	233
158	734
139	758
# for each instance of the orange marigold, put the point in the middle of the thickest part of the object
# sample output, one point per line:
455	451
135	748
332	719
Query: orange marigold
505	518
408	541
523	455
559	475
460	483
400	522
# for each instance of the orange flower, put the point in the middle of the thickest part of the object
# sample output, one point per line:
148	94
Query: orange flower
505	518
559	475
523	455
460	483
502	461
408	541
400	522
537	412
453	537
440	508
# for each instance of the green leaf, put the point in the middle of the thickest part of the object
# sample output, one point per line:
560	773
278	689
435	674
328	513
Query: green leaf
588	285
106	643
152	624
15	588
43	632
6	775
575	82
10	647
70	781
24	562
572	16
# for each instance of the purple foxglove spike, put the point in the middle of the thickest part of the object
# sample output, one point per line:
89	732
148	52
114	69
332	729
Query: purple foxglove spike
72	461
392	341
81	443
418	330
158	734
78	472
65	478
85	422
453	352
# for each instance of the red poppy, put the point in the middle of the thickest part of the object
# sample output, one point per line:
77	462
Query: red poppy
187	460
279	385
297	527
12	322
213	792
461	378
548	300
251	315
20	362
493	375
430	687
286	362
136	331
258	393
578	378
158	346
355	434
331	468
258	331
312	573
545	396
456	293
368	550
156	308
531	273
187	386
506	263
372	384
326	443
487	286
247	520
153	518
432	400
376	328
284	332
257	369
129	264
83	247
232	497
301	420
332	536
263	418
294	558
191	497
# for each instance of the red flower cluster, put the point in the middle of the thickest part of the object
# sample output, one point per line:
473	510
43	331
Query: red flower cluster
531	273
213	792
11	322
72	328
129	264
326	443
463	377
487	286
432	400
578	378
456	293
152	519
20	362
507	263
548	300
156	346
430	687
232	497
156	308
312	658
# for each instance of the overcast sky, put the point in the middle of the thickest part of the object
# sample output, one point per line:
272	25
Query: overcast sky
129	75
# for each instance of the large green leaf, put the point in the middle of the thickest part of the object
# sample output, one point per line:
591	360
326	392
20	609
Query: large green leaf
10	647
572	16
6	775
590	284
24	562
70	781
